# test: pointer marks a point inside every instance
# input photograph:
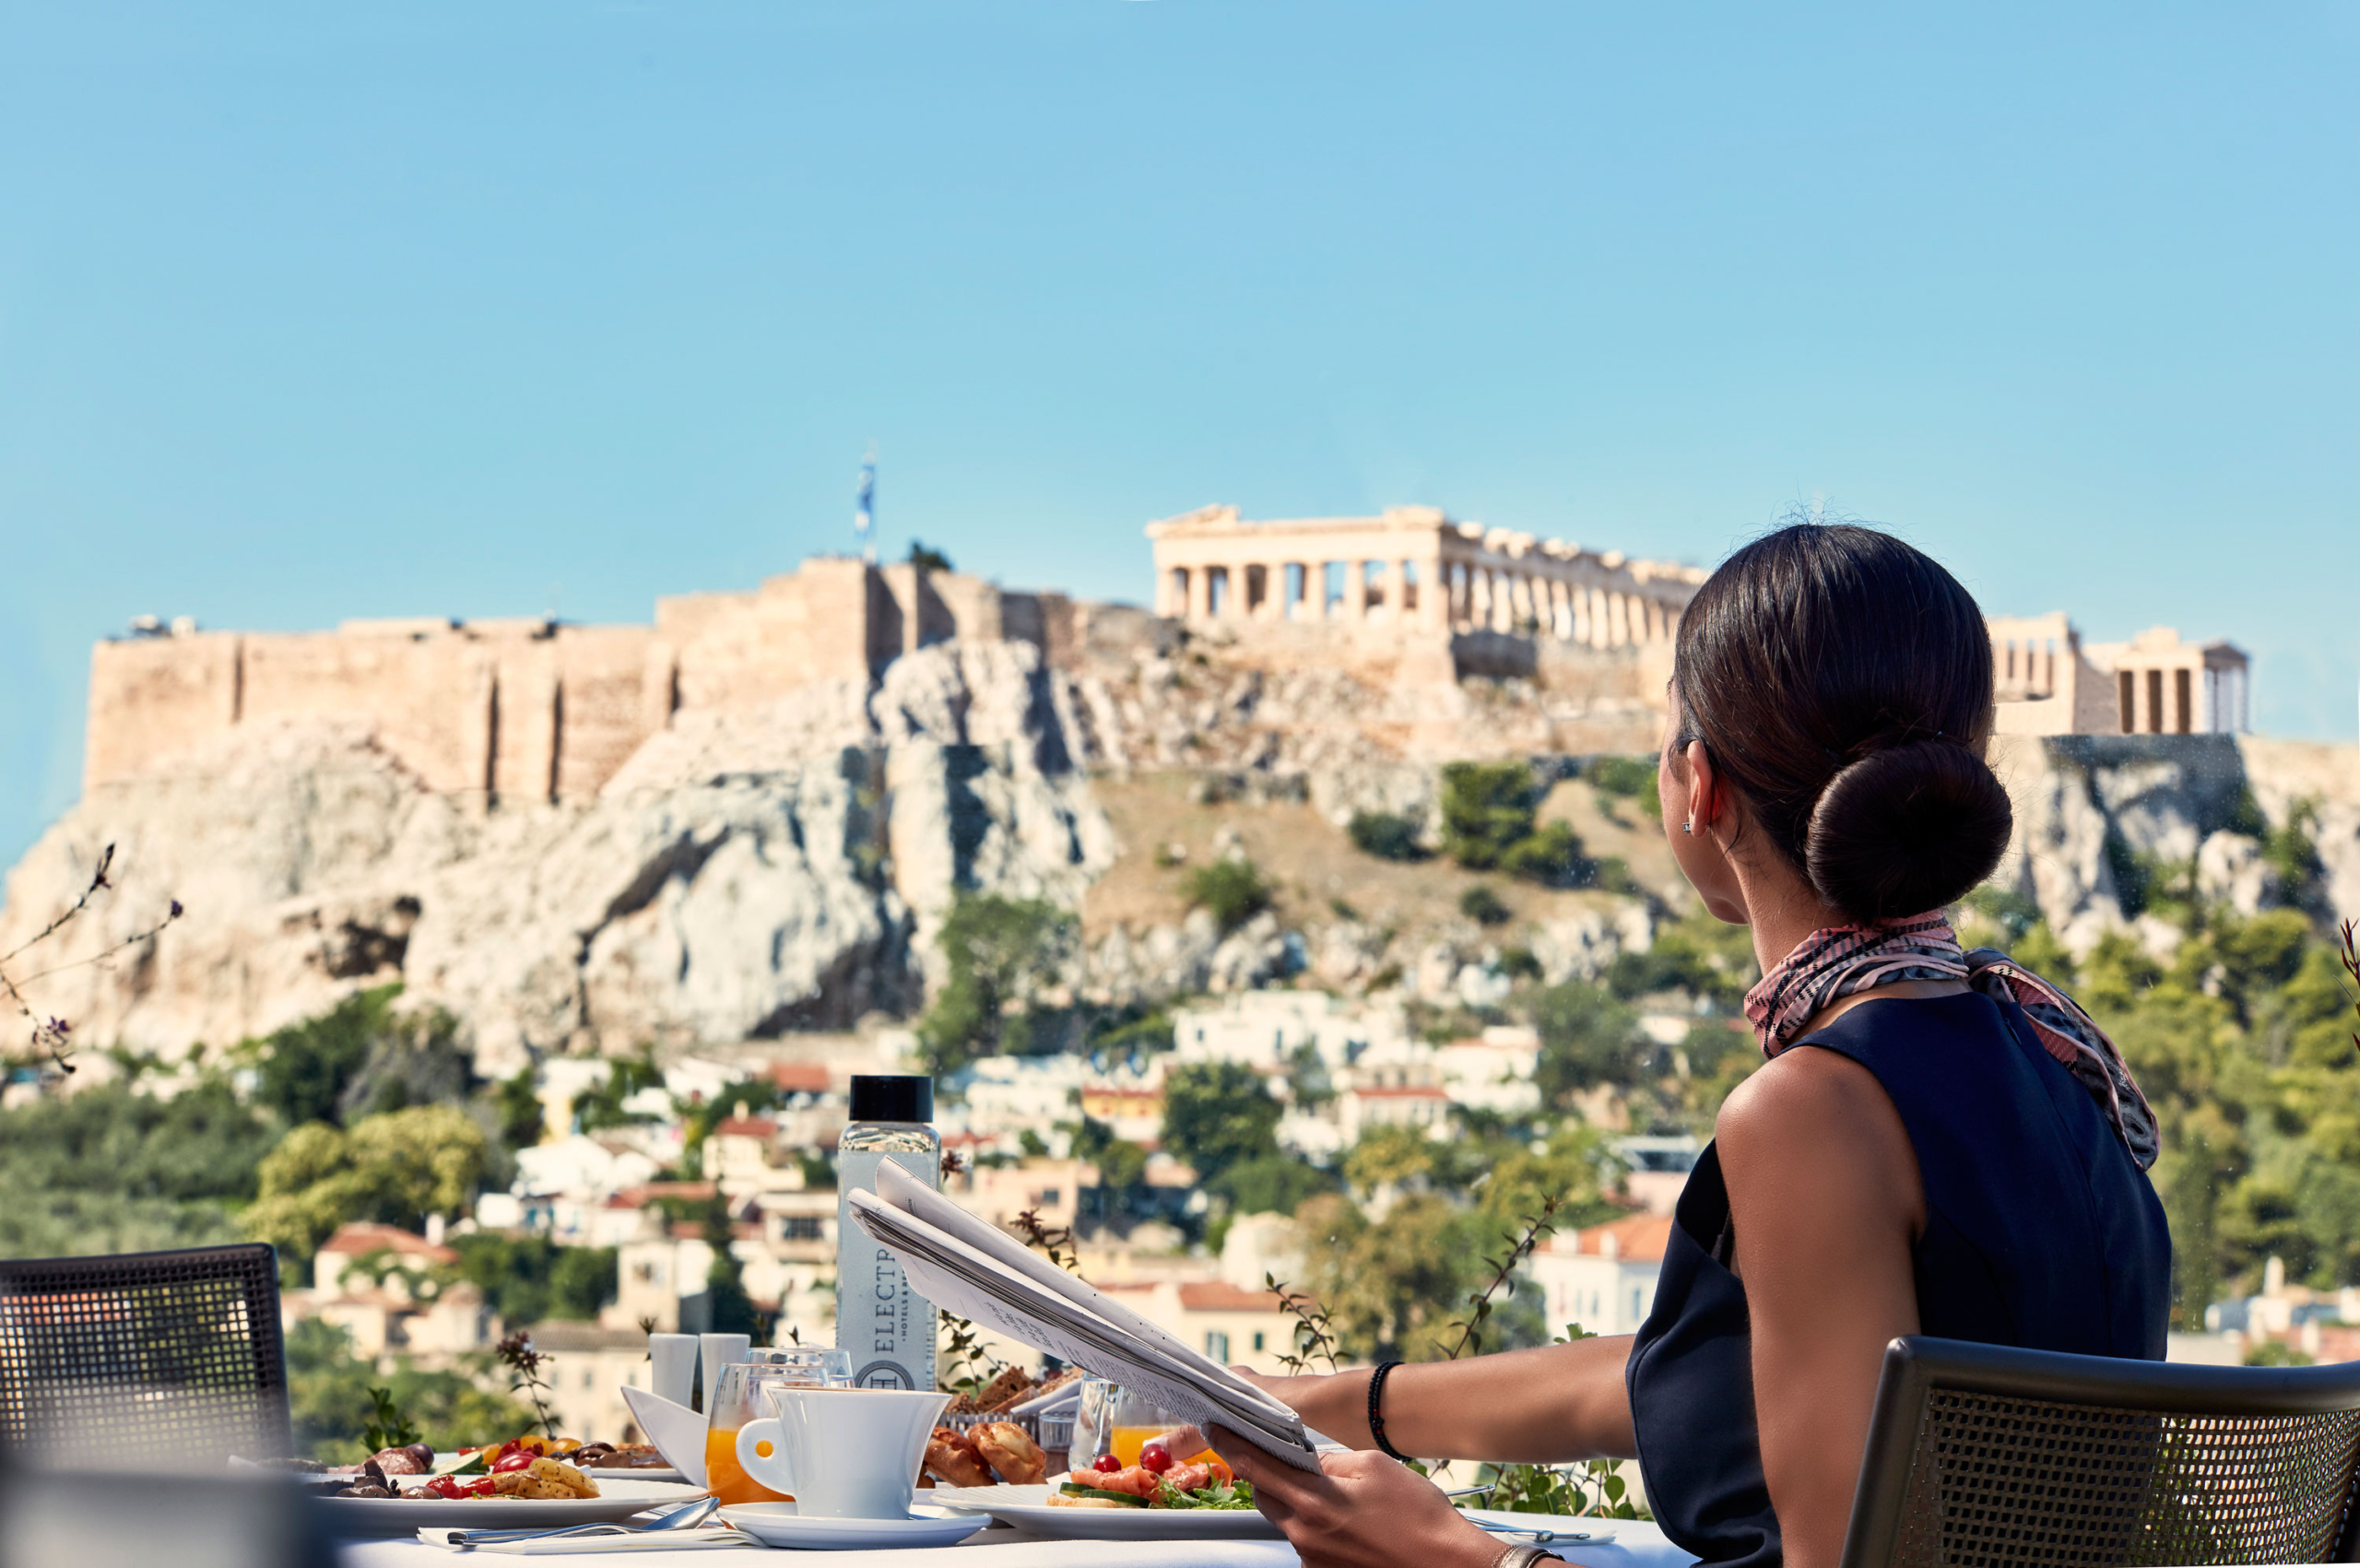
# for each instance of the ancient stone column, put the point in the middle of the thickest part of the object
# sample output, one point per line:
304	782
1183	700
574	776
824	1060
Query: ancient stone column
1200	592
1356	589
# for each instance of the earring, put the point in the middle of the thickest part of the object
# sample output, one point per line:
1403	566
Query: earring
1689	826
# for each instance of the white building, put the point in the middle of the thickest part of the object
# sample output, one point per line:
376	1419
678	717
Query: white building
582	1165
1494	1072
1265	1030
1604	1277
387	1288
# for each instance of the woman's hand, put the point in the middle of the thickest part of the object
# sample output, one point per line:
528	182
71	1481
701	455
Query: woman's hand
1362	1509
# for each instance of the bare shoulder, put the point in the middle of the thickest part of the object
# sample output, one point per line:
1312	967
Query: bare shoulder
1814	1120
1802	1093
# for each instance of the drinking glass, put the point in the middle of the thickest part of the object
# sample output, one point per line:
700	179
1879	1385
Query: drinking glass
833	1366
1114	1420
736	1400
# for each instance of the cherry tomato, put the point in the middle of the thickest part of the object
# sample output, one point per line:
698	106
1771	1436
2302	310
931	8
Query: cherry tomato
1106	1464
520	1460
1155	1458
443	1486
483	1488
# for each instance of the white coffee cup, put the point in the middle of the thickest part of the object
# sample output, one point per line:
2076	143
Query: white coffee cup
674	1360
842	1453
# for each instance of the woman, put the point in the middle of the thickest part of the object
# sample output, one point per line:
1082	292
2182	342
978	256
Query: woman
1960	1154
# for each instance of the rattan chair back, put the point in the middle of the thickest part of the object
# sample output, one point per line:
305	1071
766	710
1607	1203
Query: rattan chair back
171	1359
1984	1457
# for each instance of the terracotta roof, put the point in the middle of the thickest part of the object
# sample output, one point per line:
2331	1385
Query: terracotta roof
747	1126
361	1237
800	1078
1219	1295
1639	1238
1403	1091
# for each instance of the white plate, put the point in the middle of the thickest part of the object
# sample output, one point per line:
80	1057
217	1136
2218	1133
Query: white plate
1027	1508
403	1515
778	1524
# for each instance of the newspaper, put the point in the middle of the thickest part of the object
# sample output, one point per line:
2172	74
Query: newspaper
971	1268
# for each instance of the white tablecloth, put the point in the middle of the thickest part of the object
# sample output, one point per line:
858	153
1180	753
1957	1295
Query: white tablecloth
1634	1546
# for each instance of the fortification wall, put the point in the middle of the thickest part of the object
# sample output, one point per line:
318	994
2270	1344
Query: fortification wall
528	708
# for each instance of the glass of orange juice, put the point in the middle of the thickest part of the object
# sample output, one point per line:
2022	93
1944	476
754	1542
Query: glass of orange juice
1114	1420
736	1400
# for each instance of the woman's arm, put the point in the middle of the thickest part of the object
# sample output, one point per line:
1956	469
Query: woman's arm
1826	1198
1547	1406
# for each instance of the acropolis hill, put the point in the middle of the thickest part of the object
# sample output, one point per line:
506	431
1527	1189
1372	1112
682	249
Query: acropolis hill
539	708
745	821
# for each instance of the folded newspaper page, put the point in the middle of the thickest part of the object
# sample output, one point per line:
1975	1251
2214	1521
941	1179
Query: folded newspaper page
961	1264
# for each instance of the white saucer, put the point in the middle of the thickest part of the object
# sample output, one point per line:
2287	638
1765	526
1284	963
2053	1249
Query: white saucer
778	1524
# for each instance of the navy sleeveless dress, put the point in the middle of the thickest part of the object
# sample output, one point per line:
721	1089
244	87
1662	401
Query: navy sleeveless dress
2040	1232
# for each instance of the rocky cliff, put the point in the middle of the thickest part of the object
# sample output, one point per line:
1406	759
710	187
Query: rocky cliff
782	868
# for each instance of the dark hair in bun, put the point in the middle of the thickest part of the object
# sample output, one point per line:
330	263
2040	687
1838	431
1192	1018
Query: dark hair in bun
1842	681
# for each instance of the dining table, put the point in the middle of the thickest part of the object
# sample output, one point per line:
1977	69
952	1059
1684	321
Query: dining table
1623	1543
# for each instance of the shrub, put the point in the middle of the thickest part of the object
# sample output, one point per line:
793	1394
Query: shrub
1487	809
1634	778
1389	835
1482	905
1233	889
1552	857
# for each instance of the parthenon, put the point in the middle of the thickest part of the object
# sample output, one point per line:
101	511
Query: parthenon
1412	566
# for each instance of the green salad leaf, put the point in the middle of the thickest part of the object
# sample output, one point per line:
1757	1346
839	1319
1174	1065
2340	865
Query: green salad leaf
1234	1495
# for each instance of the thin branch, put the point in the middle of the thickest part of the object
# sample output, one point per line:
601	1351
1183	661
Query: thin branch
1470	1331
97	881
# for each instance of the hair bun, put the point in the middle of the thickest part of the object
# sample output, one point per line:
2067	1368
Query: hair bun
1906	829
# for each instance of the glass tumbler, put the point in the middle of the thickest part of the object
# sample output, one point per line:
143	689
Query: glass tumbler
1114	1420
736	1400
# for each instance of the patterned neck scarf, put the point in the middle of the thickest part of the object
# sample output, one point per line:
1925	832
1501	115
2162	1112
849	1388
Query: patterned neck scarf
1843	961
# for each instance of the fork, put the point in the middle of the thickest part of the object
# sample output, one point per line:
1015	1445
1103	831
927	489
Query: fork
679	1518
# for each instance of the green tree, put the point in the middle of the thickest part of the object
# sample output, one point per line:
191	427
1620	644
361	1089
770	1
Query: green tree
1217	1115
1391	1286
1482	905
306	1068
1587	1038
528	1278
110	1169
516	1103
1388	836
1271	1184
361	1058
1633	778
396	1169
1232	888
996	953
1487	809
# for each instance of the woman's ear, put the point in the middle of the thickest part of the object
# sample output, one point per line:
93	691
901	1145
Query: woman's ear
1705	791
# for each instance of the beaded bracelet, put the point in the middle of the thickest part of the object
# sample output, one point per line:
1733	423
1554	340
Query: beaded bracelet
1376	1421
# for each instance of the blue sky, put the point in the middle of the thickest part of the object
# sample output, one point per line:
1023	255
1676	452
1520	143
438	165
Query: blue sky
437	306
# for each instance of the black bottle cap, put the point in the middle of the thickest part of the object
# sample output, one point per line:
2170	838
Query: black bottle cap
892	1098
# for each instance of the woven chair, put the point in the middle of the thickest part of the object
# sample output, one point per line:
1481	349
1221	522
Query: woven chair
165	1359
1983	1456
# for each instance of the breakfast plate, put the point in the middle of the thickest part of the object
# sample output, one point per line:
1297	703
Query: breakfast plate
616	1498
1027	1508
778	1524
